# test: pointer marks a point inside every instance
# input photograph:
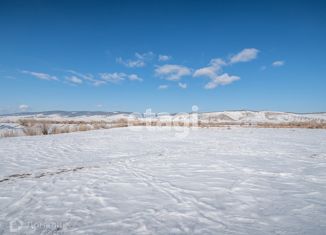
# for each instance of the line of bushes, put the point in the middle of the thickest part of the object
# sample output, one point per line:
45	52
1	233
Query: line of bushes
31	127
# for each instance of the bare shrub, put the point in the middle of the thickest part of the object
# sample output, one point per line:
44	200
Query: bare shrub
65	129
27	122
96	126
45	128
99	125
30	131
103	125
136	123
180	123
122	122
84	127
55	130
9	133
60	130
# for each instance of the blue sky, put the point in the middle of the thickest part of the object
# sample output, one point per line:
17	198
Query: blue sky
163	55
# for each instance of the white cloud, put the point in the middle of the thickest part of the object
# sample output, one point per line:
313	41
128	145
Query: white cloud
117	77
215	65
182	85
88	77
278	63
244	55
145	56
23	107
99	105
223	79
131	63
212	72
162	87
74	79
98	82
140	61
164	57
42	76
113	77
172	72
134	77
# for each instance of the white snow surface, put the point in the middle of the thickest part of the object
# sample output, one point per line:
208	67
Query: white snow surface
154	181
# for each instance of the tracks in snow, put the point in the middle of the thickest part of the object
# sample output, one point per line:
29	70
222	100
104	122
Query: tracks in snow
180	196
61	170
43	174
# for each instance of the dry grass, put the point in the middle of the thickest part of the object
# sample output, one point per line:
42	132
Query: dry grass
31	131
45	128
33	127
307	125
122	122
26	122
84	127
60	130
100	125
9	133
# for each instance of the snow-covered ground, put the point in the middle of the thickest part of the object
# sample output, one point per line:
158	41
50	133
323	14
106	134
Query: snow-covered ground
158	181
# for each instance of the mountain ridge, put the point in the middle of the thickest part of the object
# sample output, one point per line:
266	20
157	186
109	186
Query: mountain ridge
110	113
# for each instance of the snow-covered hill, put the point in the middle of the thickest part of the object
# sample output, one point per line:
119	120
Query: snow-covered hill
212	117
65	116
261	117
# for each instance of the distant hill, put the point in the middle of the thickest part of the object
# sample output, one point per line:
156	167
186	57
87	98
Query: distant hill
211	117
66	113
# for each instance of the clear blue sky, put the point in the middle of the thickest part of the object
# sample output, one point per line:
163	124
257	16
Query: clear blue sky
163	55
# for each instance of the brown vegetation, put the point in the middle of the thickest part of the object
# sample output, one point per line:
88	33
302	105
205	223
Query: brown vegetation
60	129
308	125
30	131
33	127
9	133
84	127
